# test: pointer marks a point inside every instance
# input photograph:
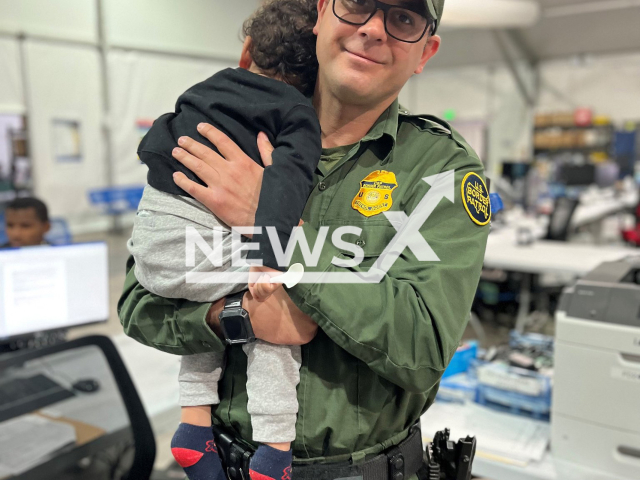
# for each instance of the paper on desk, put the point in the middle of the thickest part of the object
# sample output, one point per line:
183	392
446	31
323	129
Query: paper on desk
502	434
27	440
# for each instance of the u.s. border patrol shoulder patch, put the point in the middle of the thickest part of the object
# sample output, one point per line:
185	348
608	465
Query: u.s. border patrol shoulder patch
374	196
475	198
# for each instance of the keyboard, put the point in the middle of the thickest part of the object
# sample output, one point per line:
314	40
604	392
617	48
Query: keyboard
24	395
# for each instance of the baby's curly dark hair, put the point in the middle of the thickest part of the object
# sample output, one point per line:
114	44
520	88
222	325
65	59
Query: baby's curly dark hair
283	43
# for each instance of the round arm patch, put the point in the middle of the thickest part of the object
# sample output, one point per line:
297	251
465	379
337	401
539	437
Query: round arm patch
475	198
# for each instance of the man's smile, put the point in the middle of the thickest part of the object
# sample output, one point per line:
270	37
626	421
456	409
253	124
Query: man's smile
365	58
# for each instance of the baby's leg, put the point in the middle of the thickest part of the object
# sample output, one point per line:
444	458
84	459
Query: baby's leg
273	373
193	445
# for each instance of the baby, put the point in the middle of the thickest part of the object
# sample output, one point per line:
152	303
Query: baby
267	94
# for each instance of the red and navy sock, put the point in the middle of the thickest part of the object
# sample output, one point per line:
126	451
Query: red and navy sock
269	463
195	450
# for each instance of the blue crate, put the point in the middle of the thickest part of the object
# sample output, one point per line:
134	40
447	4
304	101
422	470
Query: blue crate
59	233
462	359
513	402
516	402
460	388
117	200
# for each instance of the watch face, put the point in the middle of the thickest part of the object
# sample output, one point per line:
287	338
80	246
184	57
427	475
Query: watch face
234	329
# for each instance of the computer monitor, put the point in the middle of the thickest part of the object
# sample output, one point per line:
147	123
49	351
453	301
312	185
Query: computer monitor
578	175
49	288
514	170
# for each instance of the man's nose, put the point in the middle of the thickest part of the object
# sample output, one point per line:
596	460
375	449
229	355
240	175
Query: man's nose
374	28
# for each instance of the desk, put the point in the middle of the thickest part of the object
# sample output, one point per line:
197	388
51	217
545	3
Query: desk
546	256
543	256
102	412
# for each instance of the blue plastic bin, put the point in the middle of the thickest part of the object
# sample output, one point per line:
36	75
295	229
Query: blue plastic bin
117	200
462	359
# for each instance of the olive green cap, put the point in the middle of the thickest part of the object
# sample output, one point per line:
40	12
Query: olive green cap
435	8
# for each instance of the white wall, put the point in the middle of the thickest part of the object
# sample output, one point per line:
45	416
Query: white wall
202	27
66	19
11	96
64	84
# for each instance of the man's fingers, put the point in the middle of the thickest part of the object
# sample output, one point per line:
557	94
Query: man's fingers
197	191
265	148
227	147
200	151
203	170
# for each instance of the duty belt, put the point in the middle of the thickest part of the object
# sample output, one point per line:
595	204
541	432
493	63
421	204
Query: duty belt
397	463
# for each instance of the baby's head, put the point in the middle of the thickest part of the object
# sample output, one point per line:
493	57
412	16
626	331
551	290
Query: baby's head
281	42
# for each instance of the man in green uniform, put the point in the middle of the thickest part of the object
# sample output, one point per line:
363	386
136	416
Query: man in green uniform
373	353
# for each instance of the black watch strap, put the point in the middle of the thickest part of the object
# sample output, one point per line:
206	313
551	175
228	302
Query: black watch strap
234	300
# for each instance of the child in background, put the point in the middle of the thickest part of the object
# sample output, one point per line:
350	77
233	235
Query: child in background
26	223
267	94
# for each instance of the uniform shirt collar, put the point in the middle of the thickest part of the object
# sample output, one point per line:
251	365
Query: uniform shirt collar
384	131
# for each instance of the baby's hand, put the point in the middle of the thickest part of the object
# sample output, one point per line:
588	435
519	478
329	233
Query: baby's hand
259	285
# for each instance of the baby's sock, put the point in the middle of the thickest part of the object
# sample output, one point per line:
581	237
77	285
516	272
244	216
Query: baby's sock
269	463
195	450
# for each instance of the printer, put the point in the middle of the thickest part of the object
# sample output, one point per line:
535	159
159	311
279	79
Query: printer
596	394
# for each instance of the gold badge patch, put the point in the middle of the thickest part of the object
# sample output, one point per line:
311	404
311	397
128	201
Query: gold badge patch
475	198
374	196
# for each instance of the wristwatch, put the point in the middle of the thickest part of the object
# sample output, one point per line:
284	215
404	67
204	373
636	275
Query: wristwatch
235	322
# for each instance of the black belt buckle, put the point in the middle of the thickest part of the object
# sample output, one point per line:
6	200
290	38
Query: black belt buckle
234	456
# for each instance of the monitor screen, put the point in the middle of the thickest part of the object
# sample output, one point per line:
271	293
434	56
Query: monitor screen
578	175
514	170
47	288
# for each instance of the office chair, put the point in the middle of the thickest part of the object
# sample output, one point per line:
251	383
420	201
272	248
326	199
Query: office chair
560	221
139	427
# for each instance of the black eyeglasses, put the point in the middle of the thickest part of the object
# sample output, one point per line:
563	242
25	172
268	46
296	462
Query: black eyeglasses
403	23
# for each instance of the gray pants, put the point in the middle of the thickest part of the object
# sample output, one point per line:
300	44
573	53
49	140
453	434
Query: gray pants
158	247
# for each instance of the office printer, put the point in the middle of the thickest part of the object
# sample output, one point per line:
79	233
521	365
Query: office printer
596	396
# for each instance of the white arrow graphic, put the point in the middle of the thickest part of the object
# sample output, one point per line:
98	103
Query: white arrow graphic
408	227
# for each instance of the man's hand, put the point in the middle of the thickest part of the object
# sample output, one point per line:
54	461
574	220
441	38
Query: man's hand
277	320
233	179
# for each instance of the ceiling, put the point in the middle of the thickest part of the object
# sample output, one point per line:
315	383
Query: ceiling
566	28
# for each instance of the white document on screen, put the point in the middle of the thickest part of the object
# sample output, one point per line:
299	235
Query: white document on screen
35	294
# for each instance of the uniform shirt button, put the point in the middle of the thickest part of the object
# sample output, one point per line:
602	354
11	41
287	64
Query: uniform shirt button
206	345
360	242
322	186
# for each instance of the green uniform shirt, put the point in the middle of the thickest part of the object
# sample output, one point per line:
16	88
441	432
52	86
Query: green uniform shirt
331	156
375	365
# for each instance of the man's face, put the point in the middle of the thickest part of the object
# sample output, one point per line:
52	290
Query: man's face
363	65
24	228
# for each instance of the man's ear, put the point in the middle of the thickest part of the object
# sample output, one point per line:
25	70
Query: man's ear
322	6
47	227
245	57
430	49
